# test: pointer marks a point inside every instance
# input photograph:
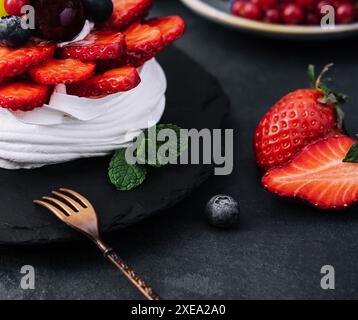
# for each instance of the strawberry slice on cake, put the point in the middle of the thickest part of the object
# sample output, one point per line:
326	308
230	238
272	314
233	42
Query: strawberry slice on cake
143	43
17	61
125	12
62	71
98	45
23	96
171	27
113	81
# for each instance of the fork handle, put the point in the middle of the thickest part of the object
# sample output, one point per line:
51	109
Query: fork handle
128	271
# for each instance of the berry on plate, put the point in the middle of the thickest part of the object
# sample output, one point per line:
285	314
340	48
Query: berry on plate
318	175
62	71
11	32
346	13
143	43
267	4
23	96
312	18
97	45
272	16
98	10
248	10
172	28
14	62
292	14
296	120
306	4
113	81
125	12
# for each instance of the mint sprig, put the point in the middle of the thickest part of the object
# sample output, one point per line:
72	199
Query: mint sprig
154	147
352	155
125	176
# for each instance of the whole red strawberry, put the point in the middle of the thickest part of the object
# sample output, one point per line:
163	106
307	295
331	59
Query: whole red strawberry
298	119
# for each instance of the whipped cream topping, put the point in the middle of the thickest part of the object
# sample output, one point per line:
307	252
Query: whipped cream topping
70	127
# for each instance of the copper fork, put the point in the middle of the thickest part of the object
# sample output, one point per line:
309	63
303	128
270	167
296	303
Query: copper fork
80	215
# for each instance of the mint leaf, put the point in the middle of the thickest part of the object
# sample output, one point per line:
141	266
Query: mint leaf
123	175
352	155
158	153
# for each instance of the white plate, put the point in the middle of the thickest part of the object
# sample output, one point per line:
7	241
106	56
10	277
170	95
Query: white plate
219	11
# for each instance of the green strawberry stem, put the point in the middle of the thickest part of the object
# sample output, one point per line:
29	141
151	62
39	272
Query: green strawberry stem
330	98
325	69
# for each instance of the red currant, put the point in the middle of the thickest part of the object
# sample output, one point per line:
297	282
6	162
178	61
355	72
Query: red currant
345	13
312	19
237	7
13	7
292	14
306	4
272	16
251	11
336	3
286	2
266	4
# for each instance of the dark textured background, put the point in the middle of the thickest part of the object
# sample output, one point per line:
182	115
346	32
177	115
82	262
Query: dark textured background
279	247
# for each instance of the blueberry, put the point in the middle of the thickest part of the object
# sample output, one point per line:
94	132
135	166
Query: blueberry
222	211
98	10
11	32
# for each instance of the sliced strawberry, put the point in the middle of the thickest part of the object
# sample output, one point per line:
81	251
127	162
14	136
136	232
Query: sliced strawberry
62	71
172	28
143	43
116	80
17	61
125	12
318	174
97	45
23	96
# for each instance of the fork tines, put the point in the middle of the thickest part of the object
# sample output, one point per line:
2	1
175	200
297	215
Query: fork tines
68	209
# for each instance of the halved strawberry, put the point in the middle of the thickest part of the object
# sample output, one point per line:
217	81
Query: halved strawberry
113	81
143	43
172	28
125	12
97	45
23	96
62	71
318	174
17	61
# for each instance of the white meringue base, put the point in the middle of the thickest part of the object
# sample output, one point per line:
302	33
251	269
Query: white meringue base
71	128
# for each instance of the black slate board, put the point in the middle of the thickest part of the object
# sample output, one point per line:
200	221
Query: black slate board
194	100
